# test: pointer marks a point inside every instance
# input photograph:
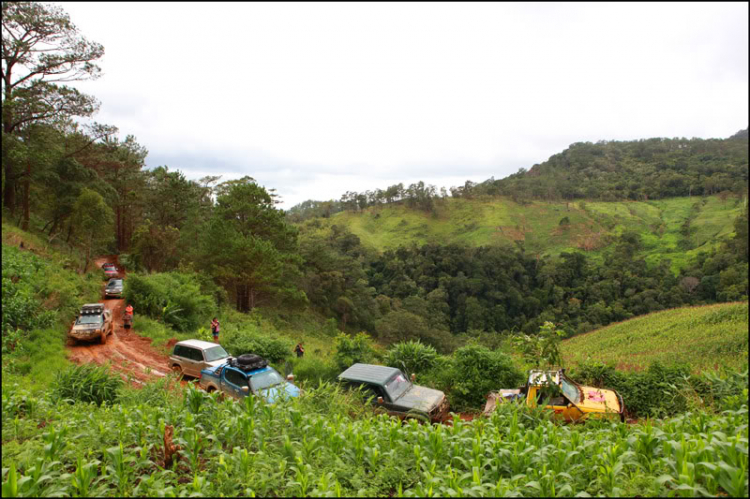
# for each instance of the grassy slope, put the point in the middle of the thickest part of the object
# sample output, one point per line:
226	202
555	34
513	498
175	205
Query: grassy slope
44	349
62	289
707	337
502	222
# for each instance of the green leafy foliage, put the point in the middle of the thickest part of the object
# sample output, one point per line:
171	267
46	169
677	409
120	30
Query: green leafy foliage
87	383
311	371
471	373
327	443
354	349
542	349
22	305
176	298
411	357
274	349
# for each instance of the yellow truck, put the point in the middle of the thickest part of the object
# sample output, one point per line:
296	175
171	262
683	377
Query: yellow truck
569	400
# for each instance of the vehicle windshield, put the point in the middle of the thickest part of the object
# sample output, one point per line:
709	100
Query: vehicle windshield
108	266
571	391
265	379
215	353
89	319
114	284
397	386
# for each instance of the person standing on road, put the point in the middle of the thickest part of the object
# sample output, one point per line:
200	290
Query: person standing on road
299	350
215	329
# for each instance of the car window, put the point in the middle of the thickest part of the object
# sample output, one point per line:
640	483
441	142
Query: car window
196	354
89	319
368	391
236	377
215	353
265	379
179	351
571	391
397	385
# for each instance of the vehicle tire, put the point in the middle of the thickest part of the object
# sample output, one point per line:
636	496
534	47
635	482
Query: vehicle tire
177	369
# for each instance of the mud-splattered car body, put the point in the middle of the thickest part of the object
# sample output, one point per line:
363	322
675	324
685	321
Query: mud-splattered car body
94	322
389	388
569	400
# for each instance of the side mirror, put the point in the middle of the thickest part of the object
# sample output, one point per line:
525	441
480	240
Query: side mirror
245	389
290	377
413	377
380	400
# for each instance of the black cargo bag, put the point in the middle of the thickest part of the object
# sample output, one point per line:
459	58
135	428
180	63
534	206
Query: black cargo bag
249	362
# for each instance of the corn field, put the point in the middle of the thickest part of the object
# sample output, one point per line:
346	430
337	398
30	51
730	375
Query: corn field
327	444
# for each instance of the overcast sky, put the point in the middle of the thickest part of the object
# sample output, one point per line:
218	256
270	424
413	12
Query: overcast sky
317	99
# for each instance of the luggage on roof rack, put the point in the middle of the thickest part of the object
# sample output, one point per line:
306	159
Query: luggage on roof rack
248	362
92	308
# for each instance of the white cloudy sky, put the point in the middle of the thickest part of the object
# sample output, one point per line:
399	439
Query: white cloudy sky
318	99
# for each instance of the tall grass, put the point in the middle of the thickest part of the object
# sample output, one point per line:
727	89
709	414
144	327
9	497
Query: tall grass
326	443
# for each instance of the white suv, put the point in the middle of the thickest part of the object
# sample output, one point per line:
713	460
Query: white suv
190	357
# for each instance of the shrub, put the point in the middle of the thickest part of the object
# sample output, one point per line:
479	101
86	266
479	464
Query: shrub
87	383
543	348
351	350
175	298
313	370
657	392
411	356
478	370
25	285
239	342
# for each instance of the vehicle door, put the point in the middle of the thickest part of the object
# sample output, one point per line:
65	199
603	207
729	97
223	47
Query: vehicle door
109	326
233	381
192	361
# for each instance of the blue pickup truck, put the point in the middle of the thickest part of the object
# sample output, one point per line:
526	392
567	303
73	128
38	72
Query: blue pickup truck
238	383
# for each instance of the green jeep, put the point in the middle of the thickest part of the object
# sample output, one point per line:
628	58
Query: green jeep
389	388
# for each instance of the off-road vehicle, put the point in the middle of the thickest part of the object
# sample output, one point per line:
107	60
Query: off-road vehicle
94	322
390	389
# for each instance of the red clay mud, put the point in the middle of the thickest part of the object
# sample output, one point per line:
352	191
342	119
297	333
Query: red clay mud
130	355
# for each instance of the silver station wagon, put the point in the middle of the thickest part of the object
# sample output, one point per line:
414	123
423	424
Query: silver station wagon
190	357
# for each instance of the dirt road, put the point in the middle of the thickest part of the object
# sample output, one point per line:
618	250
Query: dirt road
129	354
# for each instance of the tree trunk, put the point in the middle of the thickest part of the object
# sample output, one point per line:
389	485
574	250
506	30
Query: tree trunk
26	188
118	223
9	194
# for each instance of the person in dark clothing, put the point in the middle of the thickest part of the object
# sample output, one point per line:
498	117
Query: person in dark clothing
299	350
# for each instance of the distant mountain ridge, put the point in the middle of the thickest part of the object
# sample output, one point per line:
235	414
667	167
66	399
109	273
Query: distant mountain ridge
638	170
635	170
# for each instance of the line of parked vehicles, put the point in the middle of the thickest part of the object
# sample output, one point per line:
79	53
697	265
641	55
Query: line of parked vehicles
387	387
95	321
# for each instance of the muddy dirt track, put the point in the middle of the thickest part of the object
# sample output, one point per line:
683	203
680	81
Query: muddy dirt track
129	354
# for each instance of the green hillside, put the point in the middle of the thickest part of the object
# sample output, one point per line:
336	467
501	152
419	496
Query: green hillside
708	337
672	228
